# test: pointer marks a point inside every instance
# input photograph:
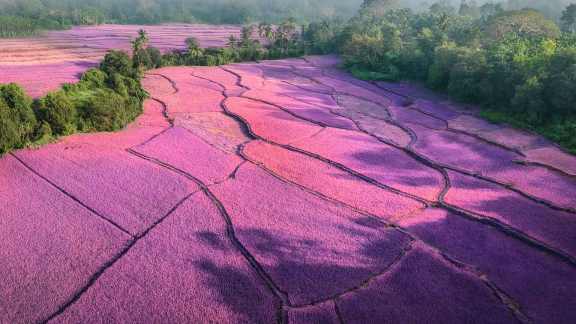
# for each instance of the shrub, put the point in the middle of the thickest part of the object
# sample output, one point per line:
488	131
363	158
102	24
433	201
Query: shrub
105	111
155	57
118	62
9	134
59	112
21	112
94	78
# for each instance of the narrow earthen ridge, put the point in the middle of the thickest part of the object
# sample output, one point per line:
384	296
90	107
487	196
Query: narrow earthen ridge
113	261
245	150
441	169
78	201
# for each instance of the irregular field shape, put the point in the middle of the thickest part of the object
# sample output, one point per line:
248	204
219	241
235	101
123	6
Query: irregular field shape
554	157
248	75
331	181
215	128
350	89
461	151
302	110
406	115
424	288
158	85
541	284
385	130
42	64
324	313
471	124
269	122
353	106
539	182
131	192
513	138
438	110
149	124
189	153
227	81
304	243
193	94
184	271
555	228
376	160
50	245
311	245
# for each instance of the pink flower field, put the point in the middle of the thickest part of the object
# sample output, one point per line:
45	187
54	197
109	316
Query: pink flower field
42	64
283	192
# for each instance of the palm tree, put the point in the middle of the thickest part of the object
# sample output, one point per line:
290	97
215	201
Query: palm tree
267	31
140	42
195	52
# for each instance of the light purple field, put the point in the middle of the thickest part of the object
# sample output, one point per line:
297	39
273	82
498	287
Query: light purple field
289	192
42	64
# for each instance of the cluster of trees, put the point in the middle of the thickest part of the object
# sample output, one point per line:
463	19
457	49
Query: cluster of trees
257	42
27	17
517	64
109	97
105	99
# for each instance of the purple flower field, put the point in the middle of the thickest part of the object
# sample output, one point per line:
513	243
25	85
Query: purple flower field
42	64
288	192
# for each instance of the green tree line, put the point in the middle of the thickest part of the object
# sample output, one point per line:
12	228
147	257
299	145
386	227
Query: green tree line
109	97
27	17
517	64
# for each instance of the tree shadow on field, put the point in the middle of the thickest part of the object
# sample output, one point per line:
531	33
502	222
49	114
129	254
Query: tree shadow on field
309	268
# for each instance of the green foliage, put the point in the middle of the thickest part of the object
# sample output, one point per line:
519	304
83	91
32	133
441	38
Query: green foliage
522	23
105	99
94	78
118	62
107	111
568	19
9	133
28	17
322	37
516	64
20	106
59	112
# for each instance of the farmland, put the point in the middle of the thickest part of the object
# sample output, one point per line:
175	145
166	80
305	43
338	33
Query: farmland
289	191
42	64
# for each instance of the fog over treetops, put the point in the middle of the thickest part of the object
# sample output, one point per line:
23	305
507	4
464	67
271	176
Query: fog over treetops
210	11
224	11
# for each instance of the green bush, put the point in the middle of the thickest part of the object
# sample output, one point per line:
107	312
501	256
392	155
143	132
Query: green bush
58	111
118	62
21	111
155	57
105	111
94	78
9	133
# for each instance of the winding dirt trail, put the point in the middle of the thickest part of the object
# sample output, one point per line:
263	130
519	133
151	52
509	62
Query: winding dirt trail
289	192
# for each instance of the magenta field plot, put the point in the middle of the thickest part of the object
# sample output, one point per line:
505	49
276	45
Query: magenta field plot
287	192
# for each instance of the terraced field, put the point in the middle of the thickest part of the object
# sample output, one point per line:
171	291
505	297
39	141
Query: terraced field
287	191
43	63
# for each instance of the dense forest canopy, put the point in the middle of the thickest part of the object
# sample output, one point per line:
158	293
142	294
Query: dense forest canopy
155	11
517	63
516	59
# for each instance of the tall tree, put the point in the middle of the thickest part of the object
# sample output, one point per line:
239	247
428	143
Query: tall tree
568	18
378	7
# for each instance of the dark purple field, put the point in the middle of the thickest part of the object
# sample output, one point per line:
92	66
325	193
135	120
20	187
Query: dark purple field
289	192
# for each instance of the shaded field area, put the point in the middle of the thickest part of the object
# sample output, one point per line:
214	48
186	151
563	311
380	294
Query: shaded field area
42	64
289	192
